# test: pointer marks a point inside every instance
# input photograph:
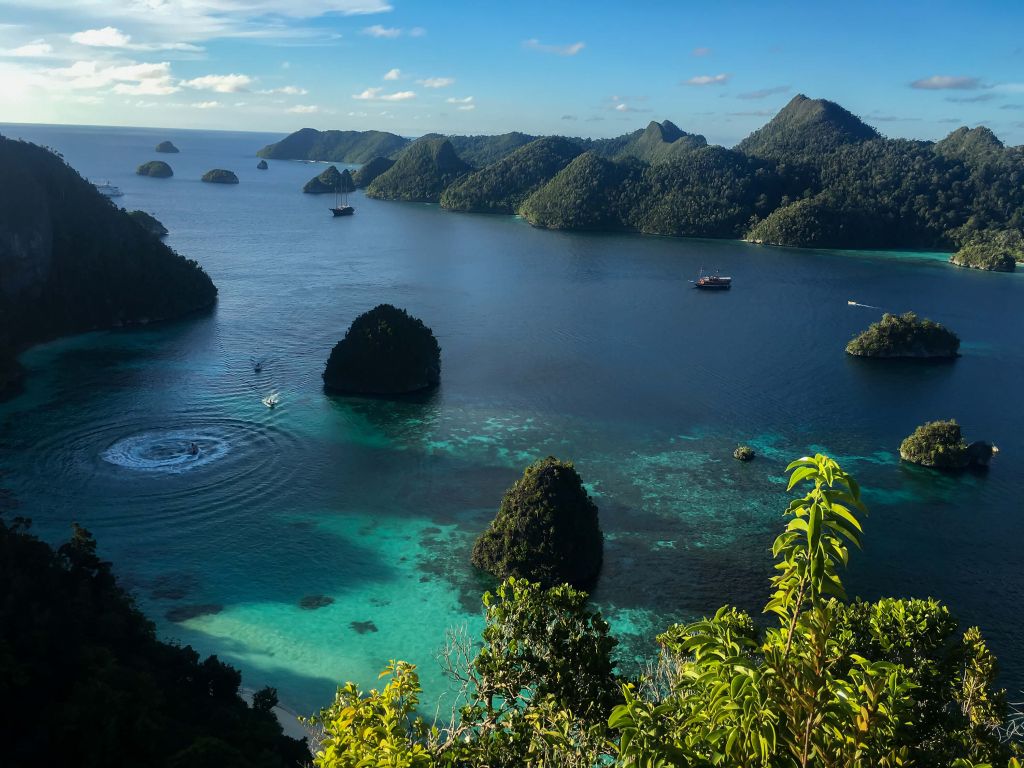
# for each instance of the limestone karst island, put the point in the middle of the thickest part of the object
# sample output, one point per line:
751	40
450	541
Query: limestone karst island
576	386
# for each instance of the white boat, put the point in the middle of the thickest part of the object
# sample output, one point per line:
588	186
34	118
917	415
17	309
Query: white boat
108	190
272	399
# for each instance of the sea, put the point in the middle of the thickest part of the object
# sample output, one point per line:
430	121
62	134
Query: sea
311	543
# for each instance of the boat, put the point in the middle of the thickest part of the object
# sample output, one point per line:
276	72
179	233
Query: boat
341	208
713	282
108	190
272	399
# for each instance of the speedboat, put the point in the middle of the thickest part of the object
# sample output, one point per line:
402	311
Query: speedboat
108	190
272	399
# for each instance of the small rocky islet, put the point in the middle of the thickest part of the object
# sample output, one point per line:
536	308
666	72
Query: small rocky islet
941	445
156	169
262	165
167	147
219	176
905	336
385	351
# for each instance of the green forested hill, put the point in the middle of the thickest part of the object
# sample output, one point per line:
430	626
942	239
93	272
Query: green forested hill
503	186
421	173
334	146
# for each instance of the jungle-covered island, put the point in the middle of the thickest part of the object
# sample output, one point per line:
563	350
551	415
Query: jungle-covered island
995	250
385	351
219	176
72	261
546	530
940	444
158	169
331	180
905	336
168	147
814	176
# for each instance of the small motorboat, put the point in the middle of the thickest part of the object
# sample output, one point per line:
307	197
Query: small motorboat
713	282
272	399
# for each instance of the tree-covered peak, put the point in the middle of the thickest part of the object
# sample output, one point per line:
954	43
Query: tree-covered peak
807	126
968	142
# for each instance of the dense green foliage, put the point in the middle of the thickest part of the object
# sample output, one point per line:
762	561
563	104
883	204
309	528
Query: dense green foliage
366	174
993	250
334	146
940	444
421	172
331	180
503	186
481	151
72	261
828	683
220	176
166	146
148	222
546	529
904	336
87	683
814	176
385	351
156	168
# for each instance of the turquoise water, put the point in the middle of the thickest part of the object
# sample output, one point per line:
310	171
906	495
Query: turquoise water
589	347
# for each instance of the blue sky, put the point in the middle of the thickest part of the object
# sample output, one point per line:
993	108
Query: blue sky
911	69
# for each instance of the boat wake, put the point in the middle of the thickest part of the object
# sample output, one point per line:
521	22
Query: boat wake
170	452
858	304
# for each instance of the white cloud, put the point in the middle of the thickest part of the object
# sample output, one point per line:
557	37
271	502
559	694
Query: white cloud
466	107
946	82
37	49
304	109
147	88
721	79
107	37
220	83
287	90
152	79
374	94
562	50
393	74
357	114
205	104
380	31
453	100
437	82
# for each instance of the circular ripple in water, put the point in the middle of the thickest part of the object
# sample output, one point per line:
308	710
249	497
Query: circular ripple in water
168	451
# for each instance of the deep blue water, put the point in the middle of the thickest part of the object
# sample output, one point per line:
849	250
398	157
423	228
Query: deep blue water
589	347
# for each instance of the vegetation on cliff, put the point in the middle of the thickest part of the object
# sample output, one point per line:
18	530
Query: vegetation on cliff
421	172
804	129
156	168
365	175
503	186
166	146
385	351
583	195
992	250
904	336
149	223
330	180
334	146
72	261
481	151
220	176
940	444
90	685
828	681
546	530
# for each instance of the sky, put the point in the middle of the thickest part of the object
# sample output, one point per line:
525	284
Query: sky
912	69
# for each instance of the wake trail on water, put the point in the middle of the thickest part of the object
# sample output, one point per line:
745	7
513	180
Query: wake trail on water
858	304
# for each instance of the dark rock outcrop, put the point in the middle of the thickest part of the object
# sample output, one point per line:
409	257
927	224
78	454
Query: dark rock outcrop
149	223
166	146
262	165
386	351
743	453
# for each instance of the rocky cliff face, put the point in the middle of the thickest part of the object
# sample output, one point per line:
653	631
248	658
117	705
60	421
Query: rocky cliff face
71	261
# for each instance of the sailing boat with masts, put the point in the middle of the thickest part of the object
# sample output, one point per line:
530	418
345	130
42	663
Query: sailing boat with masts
341	190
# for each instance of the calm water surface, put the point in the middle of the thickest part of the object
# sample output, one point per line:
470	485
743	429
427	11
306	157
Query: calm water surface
589	347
